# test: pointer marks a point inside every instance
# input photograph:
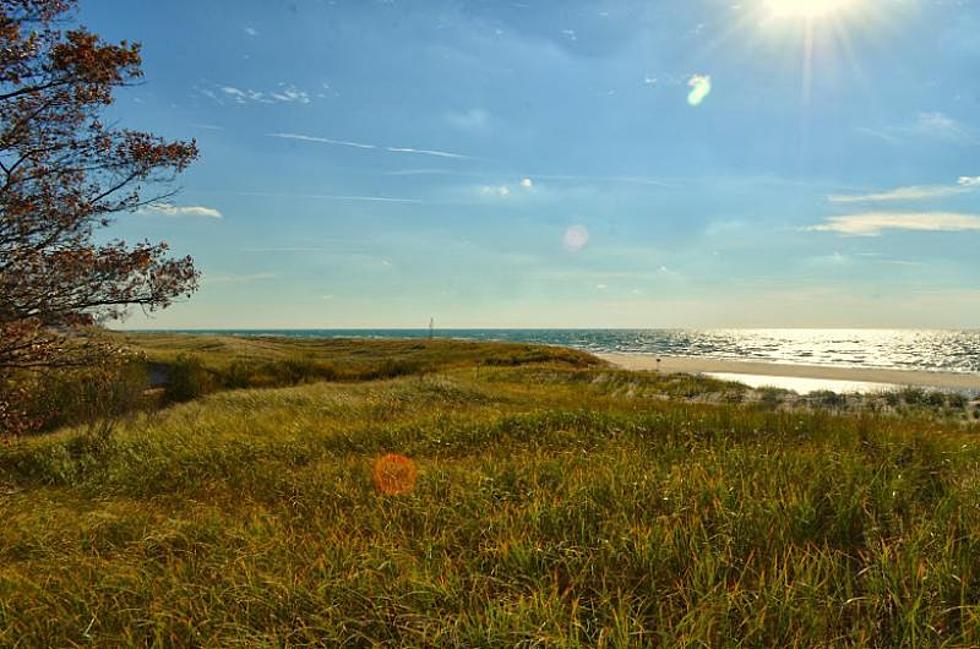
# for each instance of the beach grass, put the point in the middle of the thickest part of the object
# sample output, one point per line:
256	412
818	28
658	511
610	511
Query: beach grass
558	503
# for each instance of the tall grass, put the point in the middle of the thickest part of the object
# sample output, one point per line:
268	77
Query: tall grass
554	507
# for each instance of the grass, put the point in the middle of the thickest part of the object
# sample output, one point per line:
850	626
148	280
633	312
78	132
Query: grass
558	504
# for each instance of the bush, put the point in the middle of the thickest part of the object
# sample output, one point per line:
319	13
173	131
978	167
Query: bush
771	397
390	369
79	396
957	400
828	399
913	396
187	379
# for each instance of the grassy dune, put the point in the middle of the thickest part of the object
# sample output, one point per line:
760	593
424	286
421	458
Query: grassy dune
558	504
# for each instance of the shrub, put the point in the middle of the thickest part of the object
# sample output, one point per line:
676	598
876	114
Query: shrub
957	400
913	396
772	397
89	395
188	379
828	399
390	369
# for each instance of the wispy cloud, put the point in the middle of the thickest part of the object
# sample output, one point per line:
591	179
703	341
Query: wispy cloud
361	145
872	224
207	127
495	190
251	31
635	180
931	125
231	278
475	119
943	126
183	210
440	154
503	191
331	197
910	193
285	93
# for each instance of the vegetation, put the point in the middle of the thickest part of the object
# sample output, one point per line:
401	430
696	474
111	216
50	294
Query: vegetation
556	503
63	175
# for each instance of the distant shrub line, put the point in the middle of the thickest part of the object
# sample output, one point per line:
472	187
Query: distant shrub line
188	377
90	395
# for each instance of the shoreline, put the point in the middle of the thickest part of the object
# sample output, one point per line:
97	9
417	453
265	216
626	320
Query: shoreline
694	365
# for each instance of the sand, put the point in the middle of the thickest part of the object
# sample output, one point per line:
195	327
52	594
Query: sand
674	364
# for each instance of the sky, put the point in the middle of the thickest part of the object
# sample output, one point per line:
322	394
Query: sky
572	163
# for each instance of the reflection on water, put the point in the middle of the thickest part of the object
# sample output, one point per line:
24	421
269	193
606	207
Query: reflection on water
802	385
908	349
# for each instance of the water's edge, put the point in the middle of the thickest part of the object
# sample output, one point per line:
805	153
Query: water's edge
900	349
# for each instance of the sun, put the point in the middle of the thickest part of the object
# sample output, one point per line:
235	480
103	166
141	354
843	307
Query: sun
810	9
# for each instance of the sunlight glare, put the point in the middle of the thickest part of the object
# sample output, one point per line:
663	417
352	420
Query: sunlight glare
810	9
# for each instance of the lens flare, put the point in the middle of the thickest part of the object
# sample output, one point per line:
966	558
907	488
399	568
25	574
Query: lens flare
575	238
394	474
700	89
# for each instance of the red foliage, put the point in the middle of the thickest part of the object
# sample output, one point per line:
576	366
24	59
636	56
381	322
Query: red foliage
63	174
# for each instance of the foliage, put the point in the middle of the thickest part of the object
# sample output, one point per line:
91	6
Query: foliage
63	175
87	395
187	379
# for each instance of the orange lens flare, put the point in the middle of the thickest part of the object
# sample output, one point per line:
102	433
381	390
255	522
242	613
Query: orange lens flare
394	474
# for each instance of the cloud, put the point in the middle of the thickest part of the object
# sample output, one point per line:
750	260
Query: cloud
575	238
490	190
475	119
503	191
931	125
286	93
700	85
872	224
942	126
237	279
251	31
637	180
183	210
440	154
207	127
330	197
360	145
912	193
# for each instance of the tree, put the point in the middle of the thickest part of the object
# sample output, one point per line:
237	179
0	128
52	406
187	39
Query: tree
63	175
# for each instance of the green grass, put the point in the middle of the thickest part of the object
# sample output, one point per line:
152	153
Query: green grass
558	504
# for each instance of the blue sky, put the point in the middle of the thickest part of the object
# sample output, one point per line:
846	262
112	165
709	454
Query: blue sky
543	163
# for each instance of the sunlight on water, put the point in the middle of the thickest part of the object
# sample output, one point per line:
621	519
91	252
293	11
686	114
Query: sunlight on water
803	385
901	349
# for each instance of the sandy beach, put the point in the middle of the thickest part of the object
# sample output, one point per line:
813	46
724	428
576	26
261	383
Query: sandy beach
675	364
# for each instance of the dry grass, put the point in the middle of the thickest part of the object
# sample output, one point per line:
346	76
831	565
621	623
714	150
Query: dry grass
554	506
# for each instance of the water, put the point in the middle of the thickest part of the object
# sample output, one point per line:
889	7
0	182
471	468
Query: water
802	385
936	350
